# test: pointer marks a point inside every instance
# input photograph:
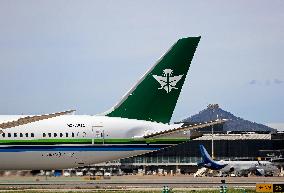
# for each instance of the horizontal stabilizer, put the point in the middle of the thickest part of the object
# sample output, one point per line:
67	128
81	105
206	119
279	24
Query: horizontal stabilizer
31	119
184	128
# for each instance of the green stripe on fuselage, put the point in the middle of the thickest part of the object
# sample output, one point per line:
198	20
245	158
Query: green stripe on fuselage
89	141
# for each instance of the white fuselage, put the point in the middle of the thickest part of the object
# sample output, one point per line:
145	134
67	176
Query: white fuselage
246	166
74	140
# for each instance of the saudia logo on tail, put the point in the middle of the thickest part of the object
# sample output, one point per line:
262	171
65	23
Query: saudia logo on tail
167	80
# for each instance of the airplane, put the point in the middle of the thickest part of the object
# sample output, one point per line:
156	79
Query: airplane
236	167
137	124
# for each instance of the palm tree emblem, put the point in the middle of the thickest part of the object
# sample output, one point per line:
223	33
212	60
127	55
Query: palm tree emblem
167	80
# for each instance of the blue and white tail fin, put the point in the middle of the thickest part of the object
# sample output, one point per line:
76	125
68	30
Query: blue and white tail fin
208	162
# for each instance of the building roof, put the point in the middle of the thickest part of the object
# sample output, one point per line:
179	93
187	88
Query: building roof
235	137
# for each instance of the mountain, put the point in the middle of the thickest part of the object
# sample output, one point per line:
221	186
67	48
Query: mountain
233	124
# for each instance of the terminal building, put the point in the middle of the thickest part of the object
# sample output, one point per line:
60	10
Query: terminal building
183	158
230	142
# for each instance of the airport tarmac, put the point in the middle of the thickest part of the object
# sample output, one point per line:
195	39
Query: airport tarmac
131	181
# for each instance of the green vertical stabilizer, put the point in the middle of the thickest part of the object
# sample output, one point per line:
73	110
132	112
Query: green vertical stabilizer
155	96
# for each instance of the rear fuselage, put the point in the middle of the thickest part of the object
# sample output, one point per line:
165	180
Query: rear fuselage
76	140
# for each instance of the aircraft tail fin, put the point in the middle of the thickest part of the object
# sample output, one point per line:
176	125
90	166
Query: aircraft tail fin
205	155
207	160
154	96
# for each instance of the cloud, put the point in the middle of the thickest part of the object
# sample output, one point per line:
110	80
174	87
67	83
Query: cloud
252	82
277	81
267	82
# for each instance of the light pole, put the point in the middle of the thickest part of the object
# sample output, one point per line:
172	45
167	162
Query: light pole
212	147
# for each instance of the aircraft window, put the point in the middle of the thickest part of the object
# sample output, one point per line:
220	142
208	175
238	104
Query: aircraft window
66	134
32	135
55	134
44	134
73	135
15	134
27	135
21	135
61	134
49	134
9	134
3	134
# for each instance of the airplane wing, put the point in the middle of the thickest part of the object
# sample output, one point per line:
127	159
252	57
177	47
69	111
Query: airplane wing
31	119
184	127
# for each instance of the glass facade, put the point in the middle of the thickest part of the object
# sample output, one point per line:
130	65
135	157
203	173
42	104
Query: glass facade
223	150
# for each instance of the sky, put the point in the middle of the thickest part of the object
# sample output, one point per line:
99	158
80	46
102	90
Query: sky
84	55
